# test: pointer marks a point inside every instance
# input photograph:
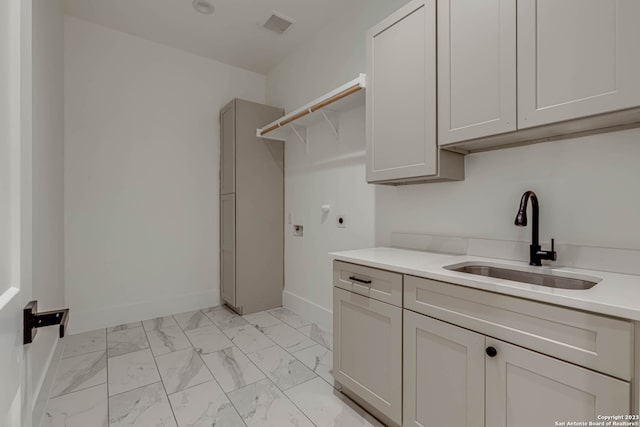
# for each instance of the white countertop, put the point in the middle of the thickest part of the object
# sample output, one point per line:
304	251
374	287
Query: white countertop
615	295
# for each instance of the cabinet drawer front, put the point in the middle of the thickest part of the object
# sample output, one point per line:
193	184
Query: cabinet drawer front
384	285
367	356
597	342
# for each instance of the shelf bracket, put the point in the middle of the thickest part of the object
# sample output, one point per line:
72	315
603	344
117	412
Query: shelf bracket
333	120
301	133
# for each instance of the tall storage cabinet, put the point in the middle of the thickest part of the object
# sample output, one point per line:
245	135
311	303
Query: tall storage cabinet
251	209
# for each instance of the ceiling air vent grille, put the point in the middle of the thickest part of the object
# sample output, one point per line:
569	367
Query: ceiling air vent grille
278	23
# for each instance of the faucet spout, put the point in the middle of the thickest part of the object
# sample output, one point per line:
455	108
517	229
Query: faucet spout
536	254
521	217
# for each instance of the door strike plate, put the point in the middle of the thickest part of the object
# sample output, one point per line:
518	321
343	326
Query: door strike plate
34	320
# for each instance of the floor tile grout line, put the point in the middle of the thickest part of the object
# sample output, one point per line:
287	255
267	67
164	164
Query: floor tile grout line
161	379
267	375
83	354
246	354
272	382
124	330
199	327
282	320
313	370
311	338
132	351
170	351
213	378
55	379
224	392
203	363
137	388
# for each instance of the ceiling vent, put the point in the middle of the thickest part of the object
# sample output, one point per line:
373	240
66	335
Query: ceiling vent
278	23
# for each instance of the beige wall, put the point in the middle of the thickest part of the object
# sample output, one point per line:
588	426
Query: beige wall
141	174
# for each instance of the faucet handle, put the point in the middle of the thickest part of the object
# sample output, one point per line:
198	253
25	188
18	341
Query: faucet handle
553	254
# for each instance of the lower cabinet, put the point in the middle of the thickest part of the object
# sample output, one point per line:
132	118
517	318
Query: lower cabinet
453	376
443	374
367	358
528	389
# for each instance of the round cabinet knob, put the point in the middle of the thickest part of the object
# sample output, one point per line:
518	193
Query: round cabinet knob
491	351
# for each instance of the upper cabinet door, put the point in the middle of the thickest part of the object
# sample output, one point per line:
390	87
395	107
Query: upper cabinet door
228	149
476	69
576	58
401	94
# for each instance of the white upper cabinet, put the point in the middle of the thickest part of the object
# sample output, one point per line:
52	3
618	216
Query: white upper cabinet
476	69
401	105
402	144
576	58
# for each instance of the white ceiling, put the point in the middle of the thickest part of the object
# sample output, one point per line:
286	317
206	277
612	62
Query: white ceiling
233	34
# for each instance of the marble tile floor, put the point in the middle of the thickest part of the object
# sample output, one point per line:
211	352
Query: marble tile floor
203	368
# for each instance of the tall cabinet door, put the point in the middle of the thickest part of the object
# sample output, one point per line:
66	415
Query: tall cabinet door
476	69
228	248
528	389
401	94
443	374
576	58
228	149
367	357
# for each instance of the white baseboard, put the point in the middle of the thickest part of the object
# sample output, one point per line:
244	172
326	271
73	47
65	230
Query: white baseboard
309	310
113	316
42	393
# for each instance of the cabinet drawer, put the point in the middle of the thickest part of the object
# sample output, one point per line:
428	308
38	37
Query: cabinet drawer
598	342
382	285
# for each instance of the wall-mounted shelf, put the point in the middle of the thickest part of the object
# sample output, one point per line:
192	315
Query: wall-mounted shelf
325	108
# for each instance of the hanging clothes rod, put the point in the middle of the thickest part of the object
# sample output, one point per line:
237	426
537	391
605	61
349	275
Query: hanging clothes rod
331	98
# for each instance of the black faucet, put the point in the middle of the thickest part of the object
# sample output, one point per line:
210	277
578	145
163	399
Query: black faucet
536	254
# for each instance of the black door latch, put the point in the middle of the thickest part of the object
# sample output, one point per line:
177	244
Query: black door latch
34	320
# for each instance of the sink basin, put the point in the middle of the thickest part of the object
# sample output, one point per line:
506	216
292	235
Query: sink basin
525	276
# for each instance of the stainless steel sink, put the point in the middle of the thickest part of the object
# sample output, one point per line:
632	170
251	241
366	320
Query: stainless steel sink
524	276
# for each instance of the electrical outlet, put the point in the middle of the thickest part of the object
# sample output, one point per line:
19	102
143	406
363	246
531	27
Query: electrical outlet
341	221
298	230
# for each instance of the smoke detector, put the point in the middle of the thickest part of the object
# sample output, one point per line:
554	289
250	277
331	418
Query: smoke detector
278	23
203	6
